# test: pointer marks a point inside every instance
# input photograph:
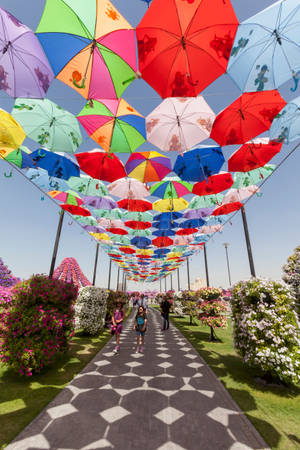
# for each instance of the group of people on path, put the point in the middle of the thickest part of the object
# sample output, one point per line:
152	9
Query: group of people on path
140	322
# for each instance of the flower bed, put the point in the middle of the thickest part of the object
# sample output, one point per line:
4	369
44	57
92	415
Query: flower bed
90	309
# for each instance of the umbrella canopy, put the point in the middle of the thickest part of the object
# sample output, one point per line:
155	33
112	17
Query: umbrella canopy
137	225
85	220
100	165
141	242
76	210
110	223
214	184
140	216
93	229
57	164
237	195
127	250
12	134
253	154
117	230
164	232
86	185
113	124
68	197
227	209
100	204
198	213
25	70
41	178
211	229
199	164
286	126
266	50
135	205
170	204
148	166
100	236
247	117
109	214
121	240
206	201
165	224
48	124
187	231
192	223
142	233
178	124
162	241
171	187
128	188
183	240
245	179
17	157
183	47
85	43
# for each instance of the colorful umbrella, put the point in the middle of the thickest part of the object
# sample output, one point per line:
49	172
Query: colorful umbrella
253	154
148	166
137	225
12	134
247	117
170	204
266	50
227	209
88	43
48	124
57	164
187	231
164	232
168	216
121	240
25	70
141	242
140	216
117	230
163	241
100	236
211	229
183	240
245	179
17	157
237	195
198	213
206	201
93	229
171	187
127	250
135	205
103	203
192	223
114	125
109	214
165	224
141	233
68	197
178	124
85	220
98	164
41	178
199	164
128	188
286	125
185	46
88	186
214	184
76	210
110	223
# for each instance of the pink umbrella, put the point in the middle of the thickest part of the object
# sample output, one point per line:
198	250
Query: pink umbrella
211	229
128	188
237	195
183	240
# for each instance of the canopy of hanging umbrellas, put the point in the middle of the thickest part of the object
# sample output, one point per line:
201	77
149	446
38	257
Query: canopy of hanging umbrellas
154	211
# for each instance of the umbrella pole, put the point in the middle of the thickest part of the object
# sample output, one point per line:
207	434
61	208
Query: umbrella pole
58	233
95	265
109	274
247	237
206	265
171	275
178	279
165	283
118	278
188	273
160	284
125	282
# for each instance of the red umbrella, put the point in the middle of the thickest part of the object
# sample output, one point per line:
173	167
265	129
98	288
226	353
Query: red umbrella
227	209
184	46
214	184
114	255
76	210
127	250
114	230
135	205
137	225
101	165
186	231
253	155
250	115
144	256
162	241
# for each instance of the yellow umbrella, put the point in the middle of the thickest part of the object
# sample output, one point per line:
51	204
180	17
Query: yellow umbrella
174	254
11	133
170	204
145	252
100	236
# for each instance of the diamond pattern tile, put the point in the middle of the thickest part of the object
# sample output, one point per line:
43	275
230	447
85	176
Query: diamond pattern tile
169	415
111	415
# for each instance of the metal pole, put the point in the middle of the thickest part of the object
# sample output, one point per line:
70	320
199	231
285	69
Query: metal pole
188	273
171	275
206	265
123	282
118	278
247	237
227	259
125	287
178	280
165	283
159	284
95	265
109	274
58	233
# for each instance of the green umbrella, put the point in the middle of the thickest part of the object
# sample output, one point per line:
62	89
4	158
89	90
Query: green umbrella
206	201
139	232
171	187
109	213
139	216
256	176
120	239
89	220
51	126
86	185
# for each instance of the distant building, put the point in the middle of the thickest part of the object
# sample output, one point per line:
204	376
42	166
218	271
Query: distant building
198	284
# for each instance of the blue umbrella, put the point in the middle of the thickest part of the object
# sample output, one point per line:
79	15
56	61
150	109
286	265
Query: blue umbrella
141	242
163	225
56	164
168	215
286	125
199	164
193	223
201	238
216	220
166	232
161	251
266	49
41	178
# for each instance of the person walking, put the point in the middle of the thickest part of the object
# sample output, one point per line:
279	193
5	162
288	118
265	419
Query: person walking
165	310
140	326
117	324
143	301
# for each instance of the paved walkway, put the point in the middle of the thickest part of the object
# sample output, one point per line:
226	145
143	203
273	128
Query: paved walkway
166	399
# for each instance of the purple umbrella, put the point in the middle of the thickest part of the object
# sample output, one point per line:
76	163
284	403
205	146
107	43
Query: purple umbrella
198	213
94	229
24	67
99	202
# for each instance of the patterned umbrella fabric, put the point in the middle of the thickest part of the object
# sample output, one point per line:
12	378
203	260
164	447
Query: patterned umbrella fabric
253	154
148	166
128	188
12	134
135	205
17	157
171	187
286	125
86	185
245	179
168	205
214	184
57	164
227	209
98	164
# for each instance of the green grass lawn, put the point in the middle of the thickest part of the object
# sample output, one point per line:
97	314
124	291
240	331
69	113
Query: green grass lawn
22	398
274	411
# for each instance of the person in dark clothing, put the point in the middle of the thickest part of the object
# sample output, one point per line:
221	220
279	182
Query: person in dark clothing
165	309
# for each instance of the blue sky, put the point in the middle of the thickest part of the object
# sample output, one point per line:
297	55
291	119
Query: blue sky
28	223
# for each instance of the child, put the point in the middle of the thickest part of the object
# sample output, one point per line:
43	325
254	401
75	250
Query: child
117	320
140	325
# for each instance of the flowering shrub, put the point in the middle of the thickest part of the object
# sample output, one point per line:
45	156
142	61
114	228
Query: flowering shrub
90	309
212	313
38	325
6	277
70	271
292	276
209	293
5	297
266	331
